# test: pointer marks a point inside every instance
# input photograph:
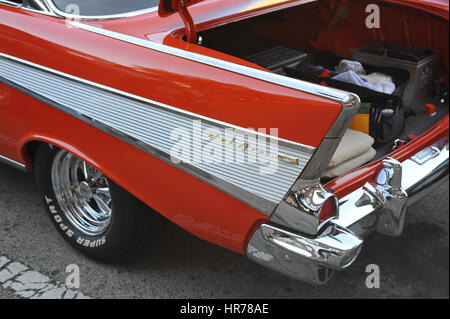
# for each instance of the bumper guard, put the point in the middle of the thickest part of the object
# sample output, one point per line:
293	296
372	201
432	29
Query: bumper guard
380	205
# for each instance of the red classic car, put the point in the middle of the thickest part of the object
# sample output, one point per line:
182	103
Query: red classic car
284	130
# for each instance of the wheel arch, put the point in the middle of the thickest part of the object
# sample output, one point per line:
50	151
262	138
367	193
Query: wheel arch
31	144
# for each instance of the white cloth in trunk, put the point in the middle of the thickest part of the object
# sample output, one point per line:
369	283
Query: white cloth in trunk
353	144
375	77
353	78
349	65
350	164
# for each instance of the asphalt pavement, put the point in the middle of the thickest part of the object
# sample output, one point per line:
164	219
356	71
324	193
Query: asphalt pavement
179	265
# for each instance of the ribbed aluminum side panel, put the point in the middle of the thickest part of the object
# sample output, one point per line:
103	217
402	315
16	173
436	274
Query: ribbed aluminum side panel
153	125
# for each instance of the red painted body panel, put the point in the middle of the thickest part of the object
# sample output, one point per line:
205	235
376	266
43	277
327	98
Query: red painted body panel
203	210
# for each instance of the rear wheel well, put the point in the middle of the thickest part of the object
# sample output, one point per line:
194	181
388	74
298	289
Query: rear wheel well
29	152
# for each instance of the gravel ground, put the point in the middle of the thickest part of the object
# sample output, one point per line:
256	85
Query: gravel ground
179	265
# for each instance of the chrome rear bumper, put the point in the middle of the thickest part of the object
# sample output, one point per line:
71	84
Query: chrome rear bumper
380	205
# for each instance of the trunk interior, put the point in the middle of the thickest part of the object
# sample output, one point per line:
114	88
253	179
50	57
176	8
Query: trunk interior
309	41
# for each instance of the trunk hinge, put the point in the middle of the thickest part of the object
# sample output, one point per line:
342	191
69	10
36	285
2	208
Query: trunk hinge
191	32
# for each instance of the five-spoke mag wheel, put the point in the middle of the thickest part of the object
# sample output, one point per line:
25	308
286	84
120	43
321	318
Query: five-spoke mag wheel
82	193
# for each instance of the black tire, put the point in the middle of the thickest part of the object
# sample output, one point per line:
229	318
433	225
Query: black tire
131	220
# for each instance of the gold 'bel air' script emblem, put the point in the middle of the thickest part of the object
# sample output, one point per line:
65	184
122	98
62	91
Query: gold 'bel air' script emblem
247	147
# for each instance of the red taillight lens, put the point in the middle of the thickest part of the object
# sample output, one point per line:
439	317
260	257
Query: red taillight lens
329	210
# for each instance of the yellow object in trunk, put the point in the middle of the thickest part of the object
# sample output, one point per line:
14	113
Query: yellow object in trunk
361	123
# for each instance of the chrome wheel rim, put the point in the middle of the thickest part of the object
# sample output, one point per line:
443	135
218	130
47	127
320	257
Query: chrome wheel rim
83	194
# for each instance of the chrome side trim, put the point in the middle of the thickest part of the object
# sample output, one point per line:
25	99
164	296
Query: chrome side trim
13	163
325	92
147	124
